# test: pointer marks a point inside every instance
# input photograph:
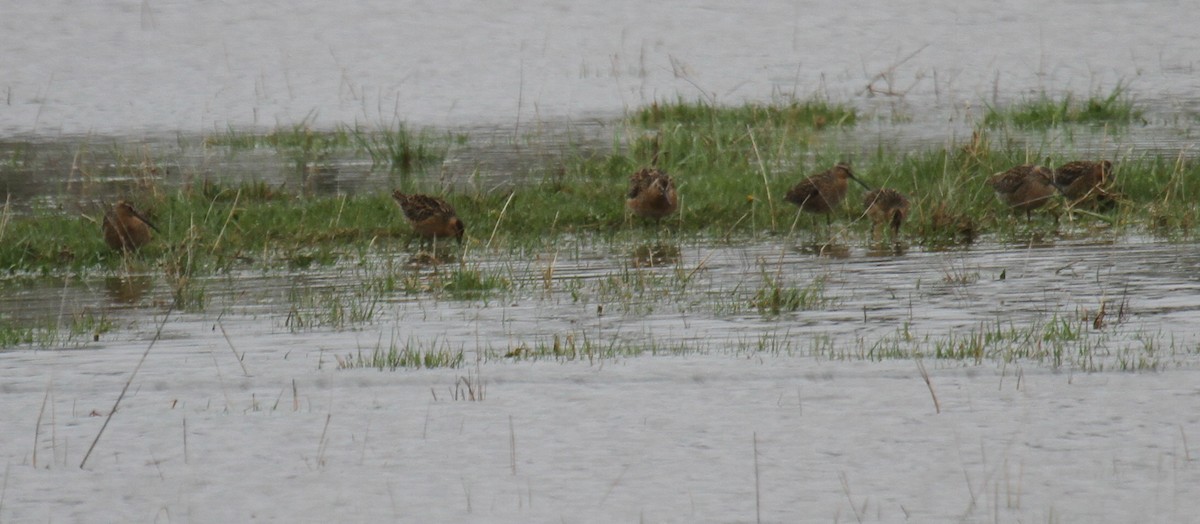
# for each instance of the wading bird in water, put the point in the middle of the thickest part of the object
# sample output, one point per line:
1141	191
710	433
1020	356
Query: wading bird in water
125	228
431	217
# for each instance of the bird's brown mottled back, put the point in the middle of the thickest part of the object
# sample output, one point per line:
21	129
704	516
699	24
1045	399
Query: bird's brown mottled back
431	217
886	206
1080	179
652	194
822	192
1024	188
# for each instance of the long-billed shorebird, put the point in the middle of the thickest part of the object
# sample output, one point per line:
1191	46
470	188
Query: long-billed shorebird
1024	188
1081	179
822	192
125	228
652	194
431	217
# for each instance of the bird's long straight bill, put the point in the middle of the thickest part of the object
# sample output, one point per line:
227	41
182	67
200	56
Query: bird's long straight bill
860	182
138	214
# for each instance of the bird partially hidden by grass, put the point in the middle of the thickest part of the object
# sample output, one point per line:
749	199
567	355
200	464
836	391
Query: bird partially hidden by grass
822	192
1024	188
125	228
652	194
432	218
1083	180
886	206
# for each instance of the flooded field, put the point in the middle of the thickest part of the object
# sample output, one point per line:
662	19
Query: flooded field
1079	305
284	350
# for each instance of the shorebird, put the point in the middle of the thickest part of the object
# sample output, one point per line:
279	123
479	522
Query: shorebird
431	217
1024	188
1081	179
652	194
886	206
126	229
822	192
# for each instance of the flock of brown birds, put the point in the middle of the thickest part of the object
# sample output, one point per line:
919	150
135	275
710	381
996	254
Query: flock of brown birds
1025	188
652	194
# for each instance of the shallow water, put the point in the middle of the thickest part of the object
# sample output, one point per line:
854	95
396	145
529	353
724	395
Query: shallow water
241	412
693	296
137	68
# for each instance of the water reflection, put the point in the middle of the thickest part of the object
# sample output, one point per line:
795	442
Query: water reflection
887	249
433	257
128	289
655	255
831	249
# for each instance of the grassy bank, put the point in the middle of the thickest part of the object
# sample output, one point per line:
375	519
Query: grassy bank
732	166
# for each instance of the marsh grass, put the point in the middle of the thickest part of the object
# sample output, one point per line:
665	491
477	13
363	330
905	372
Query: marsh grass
1055	341
77	329
329	307
13	335
580	346
815	113
411	355
209	227
469	284
775	296
1116	108
732	166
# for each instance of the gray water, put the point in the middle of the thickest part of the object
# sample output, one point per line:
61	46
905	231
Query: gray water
132	68
689	296
114	91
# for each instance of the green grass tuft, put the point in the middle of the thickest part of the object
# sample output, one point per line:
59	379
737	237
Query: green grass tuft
1116	108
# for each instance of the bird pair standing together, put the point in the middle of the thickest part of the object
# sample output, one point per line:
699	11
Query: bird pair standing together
822	192
652	194
1030	186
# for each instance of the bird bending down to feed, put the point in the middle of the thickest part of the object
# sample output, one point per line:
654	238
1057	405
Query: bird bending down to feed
1024	188
1081	179
125	228
822	192
431	217
886	206
652	194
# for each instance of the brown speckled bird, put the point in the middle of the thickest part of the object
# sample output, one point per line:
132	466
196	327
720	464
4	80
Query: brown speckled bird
822	192
431	217
126	229
886	206
1081	179
1024	188
652	194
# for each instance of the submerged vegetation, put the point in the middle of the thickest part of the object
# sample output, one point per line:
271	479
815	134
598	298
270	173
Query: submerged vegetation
1117	108
732	166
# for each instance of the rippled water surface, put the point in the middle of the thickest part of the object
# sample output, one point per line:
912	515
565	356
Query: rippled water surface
768	378
688	296
131	68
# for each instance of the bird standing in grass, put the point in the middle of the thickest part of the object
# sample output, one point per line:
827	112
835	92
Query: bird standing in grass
1082	179
822	192
431	217
125	228
652	194
1024	188
886	206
